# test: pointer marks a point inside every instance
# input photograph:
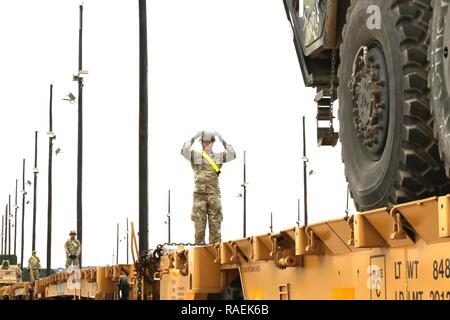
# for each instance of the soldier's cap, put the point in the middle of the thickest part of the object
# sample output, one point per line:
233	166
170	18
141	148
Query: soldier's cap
208	136
34	251
73	232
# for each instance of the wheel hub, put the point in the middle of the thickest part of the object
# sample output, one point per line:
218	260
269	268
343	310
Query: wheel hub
370	93
365	109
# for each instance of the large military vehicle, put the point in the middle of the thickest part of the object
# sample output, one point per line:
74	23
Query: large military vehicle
372	55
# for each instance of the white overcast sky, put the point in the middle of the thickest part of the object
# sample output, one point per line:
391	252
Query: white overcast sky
213	65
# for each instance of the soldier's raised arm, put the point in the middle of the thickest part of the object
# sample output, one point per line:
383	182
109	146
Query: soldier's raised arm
186	149
229	154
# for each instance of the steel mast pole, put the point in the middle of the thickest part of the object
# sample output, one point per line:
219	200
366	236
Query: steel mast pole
23	214
35	172
168	218
143	128
305	186
244	185
80	137
15	221
49	208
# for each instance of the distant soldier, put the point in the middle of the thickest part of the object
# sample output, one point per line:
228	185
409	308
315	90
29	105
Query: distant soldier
34	266
73	250
207	206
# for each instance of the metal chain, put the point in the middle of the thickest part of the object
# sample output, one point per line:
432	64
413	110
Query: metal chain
139	285
332	84
142	262
153	259
174	244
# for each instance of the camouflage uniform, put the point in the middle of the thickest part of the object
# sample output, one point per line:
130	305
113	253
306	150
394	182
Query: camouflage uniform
72	248
34	264
207	206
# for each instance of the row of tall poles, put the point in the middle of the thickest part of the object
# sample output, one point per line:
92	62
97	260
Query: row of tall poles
6	220
6	227
143	156
6	236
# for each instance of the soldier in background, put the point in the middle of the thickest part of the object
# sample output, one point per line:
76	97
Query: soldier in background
207	206
34	266
73	250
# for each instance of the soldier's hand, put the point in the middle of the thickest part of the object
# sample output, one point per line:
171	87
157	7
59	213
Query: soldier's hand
218	135
197	135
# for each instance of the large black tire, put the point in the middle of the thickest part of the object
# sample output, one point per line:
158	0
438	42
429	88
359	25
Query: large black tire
439	78
405	165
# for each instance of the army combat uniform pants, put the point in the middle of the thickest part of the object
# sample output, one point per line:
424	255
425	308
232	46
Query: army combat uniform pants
69	260
207	208
34	275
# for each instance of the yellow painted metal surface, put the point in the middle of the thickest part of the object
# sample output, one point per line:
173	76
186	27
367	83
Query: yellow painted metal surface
175	287
204	272
444	216
256	294
358	258
93	283
343	293
361	258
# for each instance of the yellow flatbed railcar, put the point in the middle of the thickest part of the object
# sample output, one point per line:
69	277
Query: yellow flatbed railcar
397	253
389	253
